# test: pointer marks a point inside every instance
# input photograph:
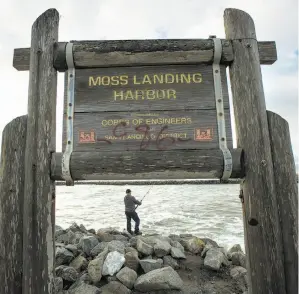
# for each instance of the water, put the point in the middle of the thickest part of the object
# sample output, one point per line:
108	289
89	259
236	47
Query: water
212	211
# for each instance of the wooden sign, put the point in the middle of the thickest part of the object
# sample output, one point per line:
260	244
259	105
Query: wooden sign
147	108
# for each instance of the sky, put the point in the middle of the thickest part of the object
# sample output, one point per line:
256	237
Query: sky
140	19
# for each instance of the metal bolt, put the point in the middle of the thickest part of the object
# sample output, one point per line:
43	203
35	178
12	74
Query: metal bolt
263	162
220	113
70	104
70	117
69	142
222	139
216	71
248	45
219	100
71	75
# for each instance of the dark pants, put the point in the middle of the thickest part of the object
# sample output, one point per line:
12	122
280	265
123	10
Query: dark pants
134	216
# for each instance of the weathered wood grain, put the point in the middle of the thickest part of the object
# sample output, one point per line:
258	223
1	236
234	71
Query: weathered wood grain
124	131
11	205
179	164
38	245
172	87
92	54
287	195
264	237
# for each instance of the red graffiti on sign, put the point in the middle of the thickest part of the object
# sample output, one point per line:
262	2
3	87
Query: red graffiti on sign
205	134
87	137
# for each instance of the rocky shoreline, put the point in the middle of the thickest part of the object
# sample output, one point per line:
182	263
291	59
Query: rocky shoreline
113	262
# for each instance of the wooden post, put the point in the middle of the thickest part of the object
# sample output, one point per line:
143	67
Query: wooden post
287	195
38	245
264	238
11	205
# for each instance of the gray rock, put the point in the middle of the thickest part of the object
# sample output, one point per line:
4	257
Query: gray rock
161	248
238	258
87	243
80	263
170	261
58	284
63	256
209	241
193	245
98	249
113	263
92	231
130	249
177	253
235	248
83	278
84	288
237	271
115	288
133	242
160	279
121	238
59	231
115	245
207	247
144	248
150	264
95	267
104	236
67	273
213	259
177	244
73	248
132	260
127	276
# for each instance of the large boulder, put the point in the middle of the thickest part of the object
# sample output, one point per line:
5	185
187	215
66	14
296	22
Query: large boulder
177	244
144	248
177	253
193	245
150	264
214	258
127	276
115	287
104	236
84	288
238	258
170	261
115	245
87	243
161	248
63	256
132	260
235	248
95	267
67	273
113	263
160	279
80	263
98	249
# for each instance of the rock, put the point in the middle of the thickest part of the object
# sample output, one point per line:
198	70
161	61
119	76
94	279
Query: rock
87	243
104	236
67	273
193	245
113	263
160	279
209	241
169	261
132	260
177	253
67	238
127	276
59	231
95	267
121	238
184	236
161	248
144	248
58	284
238	258
177	244
98	249
73	248
150	264
237	271
83	229
79	263
235	248
130	249
84	288
63	256
133	242
83	278
174	237
206	249
115	288
213	259
92	231
115	245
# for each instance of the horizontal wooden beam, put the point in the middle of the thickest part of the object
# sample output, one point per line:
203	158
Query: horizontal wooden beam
131	165
92	54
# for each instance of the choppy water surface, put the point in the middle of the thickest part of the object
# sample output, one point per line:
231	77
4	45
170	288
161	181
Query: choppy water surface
212	211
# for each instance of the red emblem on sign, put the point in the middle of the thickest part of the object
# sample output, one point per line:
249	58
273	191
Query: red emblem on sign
203	134
87	137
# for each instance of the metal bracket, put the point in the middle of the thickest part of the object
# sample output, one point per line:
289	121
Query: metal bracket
228	162
66	158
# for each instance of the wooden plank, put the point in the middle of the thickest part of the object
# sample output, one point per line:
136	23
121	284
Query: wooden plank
178	164
147	88
287	195
38	247
167	130
11	205
264	237
92	54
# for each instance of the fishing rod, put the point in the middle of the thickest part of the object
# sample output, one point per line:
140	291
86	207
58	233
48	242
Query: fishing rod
145	195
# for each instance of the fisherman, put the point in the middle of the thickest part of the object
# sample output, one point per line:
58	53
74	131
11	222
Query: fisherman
130	202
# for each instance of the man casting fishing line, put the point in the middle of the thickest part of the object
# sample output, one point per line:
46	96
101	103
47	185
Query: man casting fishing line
130	211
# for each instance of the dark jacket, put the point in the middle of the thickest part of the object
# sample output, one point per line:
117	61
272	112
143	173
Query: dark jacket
130	202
